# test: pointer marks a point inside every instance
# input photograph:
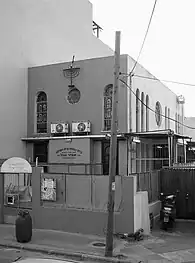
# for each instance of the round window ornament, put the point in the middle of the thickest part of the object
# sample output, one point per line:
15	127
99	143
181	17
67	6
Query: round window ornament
158	113
74	96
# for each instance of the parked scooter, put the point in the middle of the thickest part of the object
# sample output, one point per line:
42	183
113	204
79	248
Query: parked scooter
168	211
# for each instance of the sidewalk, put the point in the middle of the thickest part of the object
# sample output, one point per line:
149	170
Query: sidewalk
159	247
77	246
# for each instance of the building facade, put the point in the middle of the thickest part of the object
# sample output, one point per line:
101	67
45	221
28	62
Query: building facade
189	129
76	101
36	33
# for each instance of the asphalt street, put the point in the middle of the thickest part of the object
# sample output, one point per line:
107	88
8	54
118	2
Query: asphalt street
10	255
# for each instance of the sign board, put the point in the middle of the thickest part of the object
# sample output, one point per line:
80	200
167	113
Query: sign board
48	189
16	165
76	151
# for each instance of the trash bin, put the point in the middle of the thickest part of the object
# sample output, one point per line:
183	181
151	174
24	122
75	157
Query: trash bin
23	227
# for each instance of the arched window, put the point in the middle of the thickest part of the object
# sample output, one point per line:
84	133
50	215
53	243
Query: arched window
176	123
108	107
179	125
41	112
147	113
142	112
137	111
166	120
169	122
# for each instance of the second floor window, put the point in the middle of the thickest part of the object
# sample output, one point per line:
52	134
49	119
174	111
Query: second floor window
41	112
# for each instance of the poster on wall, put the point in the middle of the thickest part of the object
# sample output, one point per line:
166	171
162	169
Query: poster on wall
48	189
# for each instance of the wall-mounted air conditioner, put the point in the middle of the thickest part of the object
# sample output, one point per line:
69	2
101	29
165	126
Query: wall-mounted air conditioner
81	127
59	128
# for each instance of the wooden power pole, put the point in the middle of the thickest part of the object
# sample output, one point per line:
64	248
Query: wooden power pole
113	150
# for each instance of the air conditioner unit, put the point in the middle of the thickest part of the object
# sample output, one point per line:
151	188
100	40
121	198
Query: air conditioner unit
81	127
58	128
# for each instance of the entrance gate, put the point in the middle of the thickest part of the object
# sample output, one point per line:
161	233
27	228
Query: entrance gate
180	181
17	188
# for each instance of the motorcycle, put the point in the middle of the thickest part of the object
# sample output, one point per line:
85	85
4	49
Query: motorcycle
168	211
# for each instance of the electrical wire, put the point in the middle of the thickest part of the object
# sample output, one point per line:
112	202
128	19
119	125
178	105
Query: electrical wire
142	46
162	115
170	81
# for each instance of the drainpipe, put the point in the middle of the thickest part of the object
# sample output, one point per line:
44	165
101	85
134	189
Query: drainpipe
185	158
172	149
127	156
176	151
169	149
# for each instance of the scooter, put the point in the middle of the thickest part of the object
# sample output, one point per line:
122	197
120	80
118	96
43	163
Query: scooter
168	211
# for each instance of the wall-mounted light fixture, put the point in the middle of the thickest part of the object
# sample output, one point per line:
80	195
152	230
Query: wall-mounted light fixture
136	140
68	140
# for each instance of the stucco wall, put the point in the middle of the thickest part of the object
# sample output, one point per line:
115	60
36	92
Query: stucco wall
91	154
35	33
84	221
156	91
94	75
81	205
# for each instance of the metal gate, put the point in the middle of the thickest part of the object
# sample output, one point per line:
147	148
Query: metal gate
180	181
16	188
17	195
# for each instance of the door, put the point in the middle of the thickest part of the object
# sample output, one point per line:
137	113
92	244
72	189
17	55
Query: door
106	157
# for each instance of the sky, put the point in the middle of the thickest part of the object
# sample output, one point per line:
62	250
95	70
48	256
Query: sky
169	50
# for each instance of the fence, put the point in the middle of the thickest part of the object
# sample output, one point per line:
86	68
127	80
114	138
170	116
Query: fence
18	190
190	165
149	181
87	192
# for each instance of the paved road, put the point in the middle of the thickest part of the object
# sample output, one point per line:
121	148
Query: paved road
9	255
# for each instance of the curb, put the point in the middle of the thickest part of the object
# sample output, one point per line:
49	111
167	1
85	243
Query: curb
71	255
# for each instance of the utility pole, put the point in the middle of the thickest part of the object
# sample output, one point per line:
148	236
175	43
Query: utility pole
113	150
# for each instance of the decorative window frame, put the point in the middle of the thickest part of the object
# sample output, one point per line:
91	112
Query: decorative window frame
147	113
137	106
107	107
169	115
166	118
158	113
142	112
44	102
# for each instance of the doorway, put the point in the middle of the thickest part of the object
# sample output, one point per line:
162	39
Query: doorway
40	151
106	157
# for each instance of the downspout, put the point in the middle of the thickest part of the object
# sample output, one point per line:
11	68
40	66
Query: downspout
169	150
130	104
184	149
172	149
176	152
127	156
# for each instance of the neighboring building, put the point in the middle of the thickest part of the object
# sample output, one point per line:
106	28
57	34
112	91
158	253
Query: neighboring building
35	33
146	139
189	129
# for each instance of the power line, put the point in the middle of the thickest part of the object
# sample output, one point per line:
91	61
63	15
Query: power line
162	115
170	81
144	37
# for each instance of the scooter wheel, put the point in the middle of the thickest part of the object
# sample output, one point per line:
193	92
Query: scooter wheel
164	226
